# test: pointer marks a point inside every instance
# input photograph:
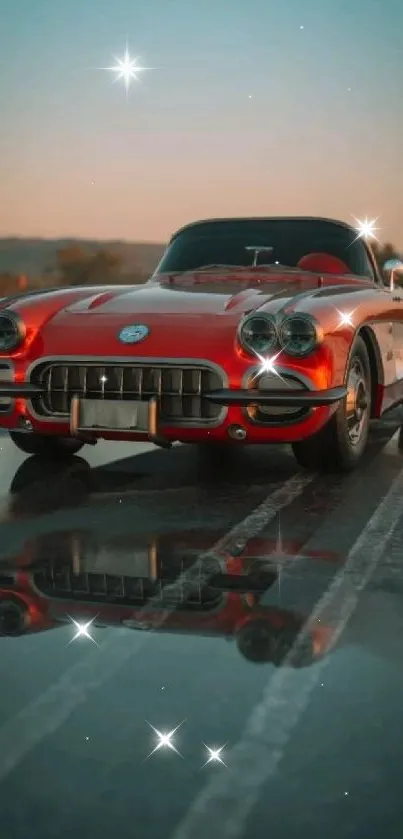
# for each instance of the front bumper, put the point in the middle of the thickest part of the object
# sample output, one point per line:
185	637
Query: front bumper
279	398
242	398
238	407
19	390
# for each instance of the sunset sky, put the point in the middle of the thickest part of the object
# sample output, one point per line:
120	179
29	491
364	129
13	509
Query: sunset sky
256	108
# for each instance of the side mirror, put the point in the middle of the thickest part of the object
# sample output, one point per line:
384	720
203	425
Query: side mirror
393	267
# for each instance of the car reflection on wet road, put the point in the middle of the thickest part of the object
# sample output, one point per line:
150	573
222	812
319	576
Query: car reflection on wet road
258	608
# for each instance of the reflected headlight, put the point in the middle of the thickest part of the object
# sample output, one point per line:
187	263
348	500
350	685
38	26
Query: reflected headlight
300	335
258	334
14	617
12	331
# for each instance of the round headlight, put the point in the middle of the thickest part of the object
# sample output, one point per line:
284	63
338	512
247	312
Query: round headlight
258	335
299	335
12	331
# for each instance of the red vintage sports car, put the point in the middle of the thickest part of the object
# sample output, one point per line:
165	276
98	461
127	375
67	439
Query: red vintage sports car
255	330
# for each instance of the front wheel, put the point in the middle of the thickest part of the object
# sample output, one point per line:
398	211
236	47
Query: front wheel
46	445
342	442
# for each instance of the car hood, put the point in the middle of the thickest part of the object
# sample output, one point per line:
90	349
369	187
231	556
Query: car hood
180	314
190	295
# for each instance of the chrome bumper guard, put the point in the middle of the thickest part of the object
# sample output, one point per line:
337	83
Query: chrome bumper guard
20	389
280	398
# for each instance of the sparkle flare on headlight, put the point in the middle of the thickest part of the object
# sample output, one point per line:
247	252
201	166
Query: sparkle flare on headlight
267	365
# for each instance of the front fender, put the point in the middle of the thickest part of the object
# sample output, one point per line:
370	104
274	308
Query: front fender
37	308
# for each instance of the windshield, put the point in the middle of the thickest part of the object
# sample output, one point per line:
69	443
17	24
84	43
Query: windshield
263	242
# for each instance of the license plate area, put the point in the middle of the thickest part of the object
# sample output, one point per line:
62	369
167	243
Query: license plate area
129	564
110	415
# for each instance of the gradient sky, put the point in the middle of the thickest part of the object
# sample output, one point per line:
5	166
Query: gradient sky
79	158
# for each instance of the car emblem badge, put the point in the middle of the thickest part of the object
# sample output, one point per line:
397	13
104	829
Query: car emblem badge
134	334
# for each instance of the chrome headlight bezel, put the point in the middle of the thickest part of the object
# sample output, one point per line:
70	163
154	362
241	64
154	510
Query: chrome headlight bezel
14	324
246	325
316	334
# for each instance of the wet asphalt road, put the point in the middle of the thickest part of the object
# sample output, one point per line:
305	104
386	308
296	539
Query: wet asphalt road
306	749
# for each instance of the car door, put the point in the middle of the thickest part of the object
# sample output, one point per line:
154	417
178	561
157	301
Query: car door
385	331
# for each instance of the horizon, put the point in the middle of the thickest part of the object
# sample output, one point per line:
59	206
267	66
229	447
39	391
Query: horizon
375	240
68	238
142	242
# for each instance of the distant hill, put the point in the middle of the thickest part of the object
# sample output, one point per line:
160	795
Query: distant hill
35	257
38	257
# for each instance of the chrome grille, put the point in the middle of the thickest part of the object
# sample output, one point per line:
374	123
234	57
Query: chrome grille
57	580
180	388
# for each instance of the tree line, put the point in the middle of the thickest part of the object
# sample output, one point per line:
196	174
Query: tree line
76	266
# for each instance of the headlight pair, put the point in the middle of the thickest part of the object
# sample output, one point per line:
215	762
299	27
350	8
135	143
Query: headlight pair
12	331
296	335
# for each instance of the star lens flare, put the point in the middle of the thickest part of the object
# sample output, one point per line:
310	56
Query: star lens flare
346	318
214	755
126	69
268	365
83	631
164	739
366	229
282	556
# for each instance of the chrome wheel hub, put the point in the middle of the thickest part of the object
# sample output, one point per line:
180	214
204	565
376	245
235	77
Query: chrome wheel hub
357	401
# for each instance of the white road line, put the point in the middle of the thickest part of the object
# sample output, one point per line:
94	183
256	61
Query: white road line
280	498
224	805
50	710
392	446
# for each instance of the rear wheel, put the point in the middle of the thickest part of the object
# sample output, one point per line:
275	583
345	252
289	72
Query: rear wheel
46	445
342	442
